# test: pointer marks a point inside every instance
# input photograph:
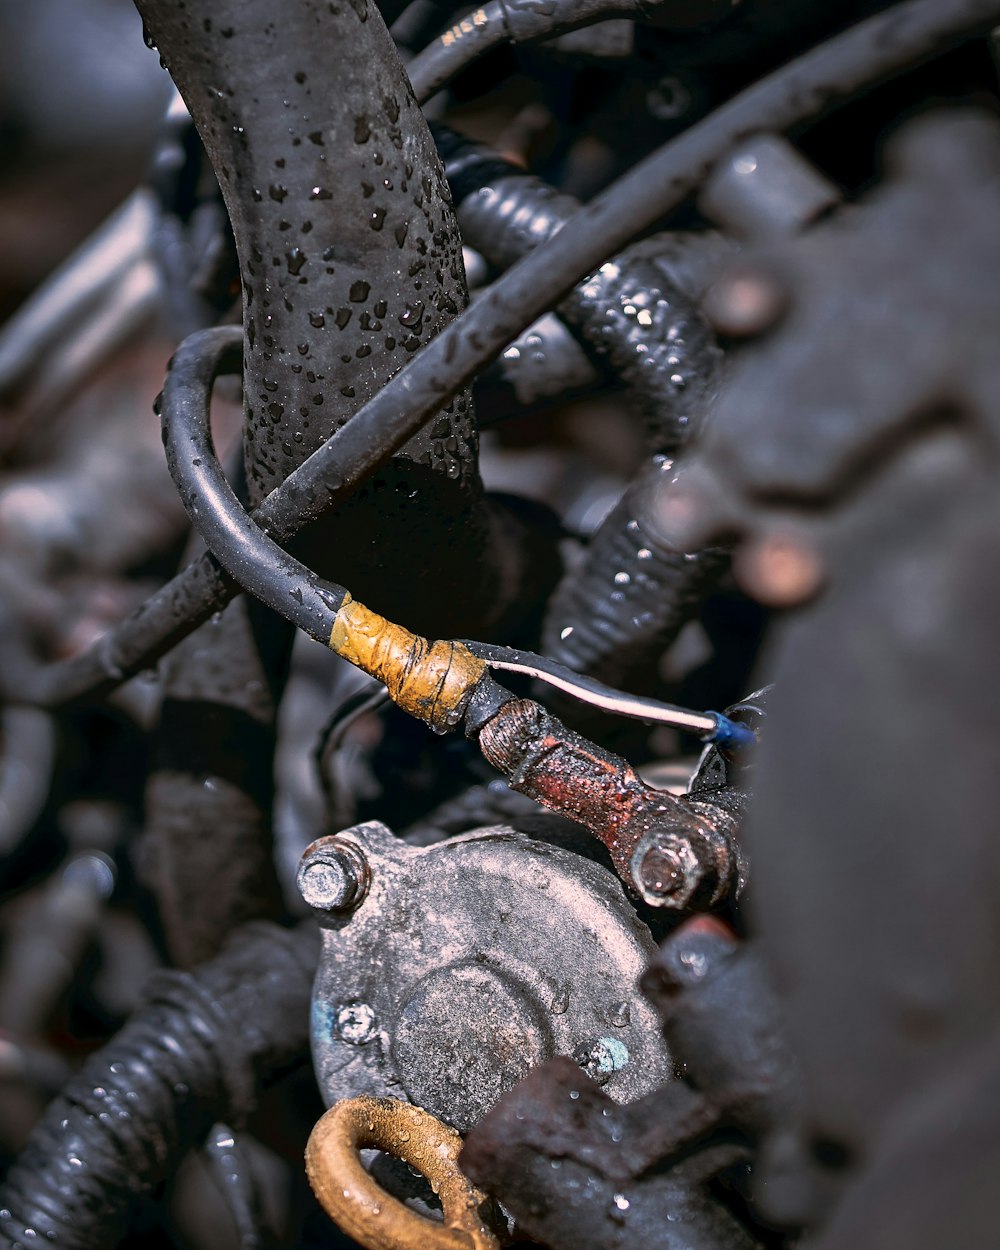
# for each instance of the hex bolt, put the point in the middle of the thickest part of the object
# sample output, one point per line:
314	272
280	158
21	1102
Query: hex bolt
333	875
666	869
661	871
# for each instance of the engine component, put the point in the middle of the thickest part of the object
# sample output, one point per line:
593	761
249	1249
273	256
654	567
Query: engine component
884	457
817	506
676	853
451	977
358	1205
576	1171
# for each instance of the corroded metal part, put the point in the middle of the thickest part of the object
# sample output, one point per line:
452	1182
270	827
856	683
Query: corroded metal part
470	962
577	1172
577	778
359	1205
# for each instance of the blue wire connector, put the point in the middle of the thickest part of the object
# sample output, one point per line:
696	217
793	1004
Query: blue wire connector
730	735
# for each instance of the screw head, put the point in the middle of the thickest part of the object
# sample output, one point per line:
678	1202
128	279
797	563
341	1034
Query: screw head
661	871
356	1022
333	875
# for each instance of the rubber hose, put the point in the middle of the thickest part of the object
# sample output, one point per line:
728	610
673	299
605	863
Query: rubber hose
196	1053
633	592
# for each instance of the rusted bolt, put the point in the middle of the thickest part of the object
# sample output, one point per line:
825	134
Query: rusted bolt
666	869
355	1202
661	871
333	875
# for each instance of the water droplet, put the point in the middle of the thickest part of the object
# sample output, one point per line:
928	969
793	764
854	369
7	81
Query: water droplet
412	314
277	191
619	1206
622	578
320	193
317	320
620	1015
565	633
296	259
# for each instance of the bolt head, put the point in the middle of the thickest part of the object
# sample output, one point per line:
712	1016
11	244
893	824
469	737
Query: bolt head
356	1022
333	875
665	869
661	871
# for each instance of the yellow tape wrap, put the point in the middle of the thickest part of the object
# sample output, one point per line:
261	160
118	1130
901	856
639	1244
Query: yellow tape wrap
431	681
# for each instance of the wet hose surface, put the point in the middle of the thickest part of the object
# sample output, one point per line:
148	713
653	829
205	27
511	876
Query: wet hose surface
200	1050
350	262
806	89
350	259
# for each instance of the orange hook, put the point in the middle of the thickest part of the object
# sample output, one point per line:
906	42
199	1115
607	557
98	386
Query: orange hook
362	1208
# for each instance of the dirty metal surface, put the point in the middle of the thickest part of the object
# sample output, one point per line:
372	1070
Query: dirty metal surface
470	962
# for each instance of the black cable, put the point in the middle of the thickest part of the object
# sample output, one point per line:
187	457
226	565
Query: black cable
196	1053
294	591
806	89
256	561
498	22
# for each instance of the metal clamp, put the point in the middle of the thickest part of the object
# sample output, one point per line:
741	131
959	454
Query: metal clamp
359	1206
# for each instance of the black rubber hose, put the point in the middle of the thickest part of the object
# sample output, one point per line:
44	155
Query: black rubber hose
628	599
804	90
351	260
635	315
196	1053
632	593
